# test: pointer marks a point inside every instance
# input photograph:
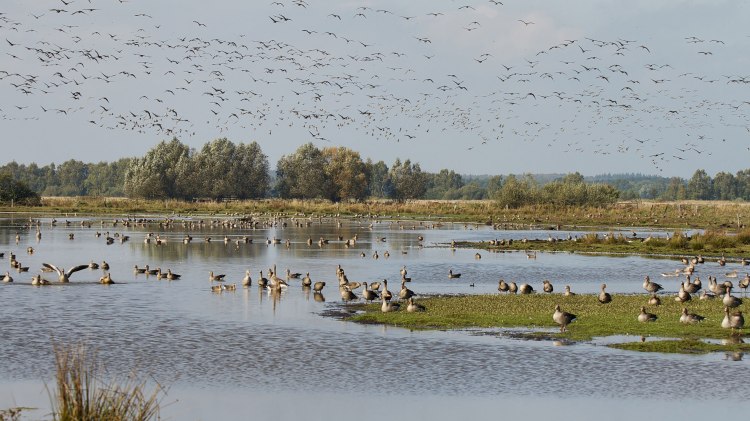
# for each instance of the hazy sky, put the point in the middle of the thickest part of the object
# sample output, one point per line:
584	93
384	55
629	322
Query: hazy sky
481	87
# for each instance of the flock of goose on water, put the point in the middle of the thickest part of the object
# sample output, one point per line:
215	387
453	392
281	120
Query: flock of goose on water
378	291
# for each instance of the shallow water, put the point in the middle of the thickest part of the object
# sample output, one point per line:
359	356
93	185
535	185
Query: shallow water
223	352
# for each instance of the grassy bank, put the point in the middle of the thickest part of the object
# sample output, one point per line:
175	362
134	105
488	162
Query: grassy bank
594	319
677	215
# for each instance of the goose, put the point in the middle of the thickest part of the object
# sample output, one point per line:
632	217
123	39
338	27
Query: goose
150	271
290	275
682	295
525	289
138	270
568	292
646	317
93	265
547	286
247	280
452	275
563	318
604	297
105	265
388	306
318	286
744	283
386	295
306	281
732	274
403	271
262	281
413	307
693	287
7	277
651	286
228	287
215	288
730	300
688	318
705	295
512	288
217	278
375	286
732	321
347	294
405	292
64	276
478	256
713	285
37	280
172	276
160	274
654	300
106	279
502	286
368	294
722	261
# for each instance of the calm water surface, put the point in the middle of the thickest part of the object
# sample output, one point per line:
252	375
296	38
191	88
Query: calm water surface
248	353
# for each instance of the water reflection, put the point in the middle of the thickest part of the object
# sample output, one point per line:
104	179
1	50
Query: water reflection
180	327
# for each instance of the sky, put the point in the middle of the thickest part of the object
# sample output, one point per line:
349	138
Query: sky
476	86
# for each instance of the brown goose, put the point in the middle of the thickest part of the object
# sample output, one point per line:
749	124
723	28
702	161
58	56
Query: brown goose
318	286
525	289
730	300
604	297
64	276
413	307
307	281
502	286
368	294
215	278
682	295
512	288
690	318
732	321
563	318
388	306
386	295
405	292
547	287
568	292
651	286
654	300
646	317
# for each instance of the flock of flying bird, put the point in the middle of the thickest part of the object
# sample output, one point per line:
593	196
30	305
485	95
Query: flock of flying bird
328	73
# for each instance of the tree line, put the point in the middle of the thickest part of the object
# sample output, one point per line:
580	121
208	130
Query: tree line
222	169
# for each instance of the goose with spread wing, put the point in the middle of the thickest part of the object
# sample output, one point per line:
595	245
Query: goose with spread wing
64	276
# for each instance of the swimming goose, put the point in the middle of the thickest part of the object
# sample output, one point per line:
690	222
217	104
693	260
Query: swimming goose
651	286
306	281
150	271
646	317
318	286
37	280
405	292
291	275
262	281
525	289
172	276
512	288
689	317
478	256
64	276
388	306
7	277
563	318
106	279
229	287
413	307
217	278
452	275
93	265
654	300
732	321
604	297
138	270
568	292
722	261
105	265
215	288
247	280
502	286
547	286
368	294
730	300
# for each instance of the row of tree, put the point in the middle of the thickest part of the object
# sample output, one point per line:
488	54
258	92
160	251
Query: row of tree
223	169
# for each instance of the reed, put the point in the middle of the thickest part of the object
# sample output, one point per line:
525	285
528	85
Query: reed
83	394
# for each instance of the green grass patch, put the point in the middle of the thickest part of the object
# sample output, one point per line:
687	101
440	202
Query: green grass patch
620	317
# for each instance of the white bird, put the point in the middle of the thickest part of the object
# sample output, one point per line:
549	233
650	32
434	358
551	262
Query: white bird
64	276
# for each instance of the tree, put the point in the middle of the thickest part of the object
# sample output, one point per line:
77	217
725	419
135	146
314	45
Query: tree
72	175
301	175
16	191
514	193
409	181
347	173
380	184
700	186
743	184
444	183
724	186
164	172
675	189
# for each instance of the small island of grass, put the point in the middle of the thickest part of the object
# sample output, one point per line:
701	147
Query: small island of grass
620	317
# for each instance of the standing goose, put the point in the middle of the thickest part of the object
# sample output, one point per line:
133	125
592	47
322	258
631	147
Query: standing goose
689	318
247	280
386	295
347	294
413	307
64	276
568	292
604	297
368	294
744	283
306	281
262	281
682	295
318	286
732	321
730	300
563	318
651	286
547	286
646	317
405	292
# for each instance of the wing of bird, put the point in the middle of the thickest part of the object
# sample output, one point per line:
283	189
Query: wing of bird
75	269
53	267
